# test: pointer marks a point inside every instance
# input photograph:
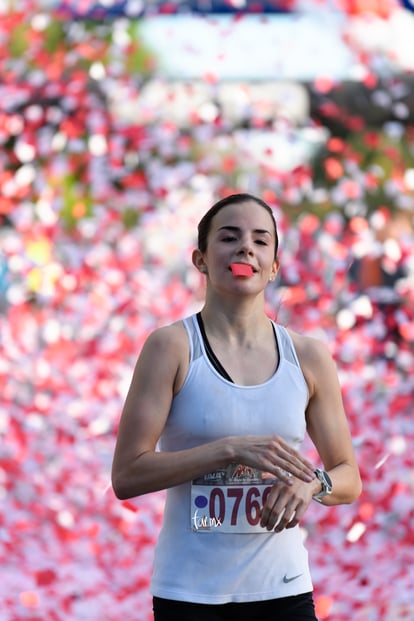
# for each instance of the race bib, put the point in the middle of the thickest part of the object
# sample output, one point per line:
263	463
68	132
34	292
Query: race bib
229	500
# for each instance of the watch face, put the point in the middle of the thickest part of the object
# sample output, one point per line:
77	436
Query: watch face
327	479
326	482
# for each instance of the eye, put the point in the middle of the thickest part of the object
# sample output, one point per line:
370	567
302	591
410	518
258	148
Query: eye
261	242
228	238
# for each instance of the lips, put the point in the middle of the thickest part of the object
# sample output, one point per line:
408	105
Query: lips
241	269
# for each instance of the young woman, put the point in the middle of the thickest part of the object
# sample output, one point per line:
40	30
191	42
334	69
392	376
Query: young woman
218	407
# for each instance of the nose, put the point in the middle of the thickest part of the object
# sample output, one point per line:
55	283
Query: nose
246	247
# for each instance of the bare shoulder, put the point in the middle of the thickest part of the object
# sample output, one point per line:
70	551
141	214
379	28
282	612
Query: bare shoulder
314	357
167	350
172	337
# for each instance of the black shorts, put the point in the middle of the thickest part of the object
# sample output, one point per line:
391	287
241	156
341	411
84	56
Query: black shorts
294	608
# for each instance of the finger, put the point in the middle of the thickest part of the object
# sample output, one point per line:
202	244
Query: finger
278	520
295	511
280	509
291	461
271	519
266	519
298	468
284	520
274	510
284	475
285	469
292	523
299	513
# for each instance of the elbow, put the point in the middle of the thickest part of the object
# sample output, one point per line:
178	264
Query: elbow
128	482
121	494
126	487
122	489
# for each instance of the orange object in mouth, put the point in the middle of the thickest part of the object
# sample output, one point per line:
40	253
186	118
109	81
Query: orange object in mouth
241	269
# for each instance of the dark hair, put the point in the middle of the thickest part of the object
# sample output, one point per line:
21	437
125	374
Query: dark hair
204	225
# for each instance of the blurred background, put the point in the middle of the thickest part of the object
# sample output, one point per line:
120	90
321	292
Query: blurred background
120	124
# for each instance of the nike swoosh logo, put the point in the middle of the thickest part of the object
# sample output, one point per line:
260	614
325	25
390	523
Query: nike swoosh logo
286	580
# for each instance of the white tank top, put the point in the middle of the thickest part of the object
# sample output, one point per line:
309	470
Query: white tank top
211	549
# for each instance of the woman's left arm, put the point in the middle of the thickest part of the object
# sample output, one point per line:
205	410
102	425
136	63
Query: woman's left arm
327	424
328	429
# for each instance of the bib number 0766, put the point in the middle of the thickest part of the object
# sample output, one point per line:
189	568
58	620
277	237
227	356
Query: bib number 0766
228	508
249	501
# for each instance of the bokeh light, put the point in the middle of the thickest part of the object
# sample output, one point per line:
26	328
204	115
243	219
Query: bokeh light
106	167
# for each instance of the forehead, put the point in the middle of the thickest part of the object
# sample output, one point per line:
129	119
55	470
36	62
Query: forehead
248	214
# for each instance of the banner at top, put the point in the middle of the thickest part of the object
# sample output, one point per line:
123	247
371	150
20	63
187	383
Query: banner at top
92	8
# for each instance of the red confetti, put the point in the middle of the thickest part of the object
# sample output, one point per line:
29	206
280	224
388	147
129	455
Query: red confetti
130	506
118	218
45	577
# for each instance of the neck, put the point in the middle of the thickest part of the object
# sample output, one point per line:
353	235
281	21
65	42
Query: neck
241	321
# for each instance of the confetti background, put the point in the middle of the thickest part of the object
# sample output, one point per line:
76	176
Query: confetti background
105	170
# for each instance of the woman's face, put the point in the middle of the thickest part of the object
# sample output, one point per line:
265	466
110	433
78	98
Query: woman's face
240	233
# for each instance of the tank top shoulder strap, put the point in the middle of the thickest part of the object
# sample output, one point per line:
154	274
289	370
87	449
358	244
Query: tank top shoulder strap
190	325
287	349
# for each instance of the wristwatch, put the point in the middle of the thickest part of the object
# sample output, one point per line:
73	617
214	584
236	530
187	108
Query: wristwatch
326	483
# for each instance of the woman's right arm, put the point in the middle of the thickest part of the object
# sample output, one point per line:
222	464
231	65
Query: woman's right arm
138	468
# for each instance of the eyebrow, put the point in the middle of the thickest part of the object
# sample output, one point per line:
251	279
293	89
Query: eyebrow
237	230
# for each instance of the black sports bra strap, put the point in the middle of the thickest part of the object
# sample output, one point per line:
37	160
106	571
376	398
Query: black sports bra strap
210	353
212	356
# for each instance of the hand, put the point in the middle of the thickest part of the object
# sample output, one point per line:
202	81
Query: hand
286	505
271	454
